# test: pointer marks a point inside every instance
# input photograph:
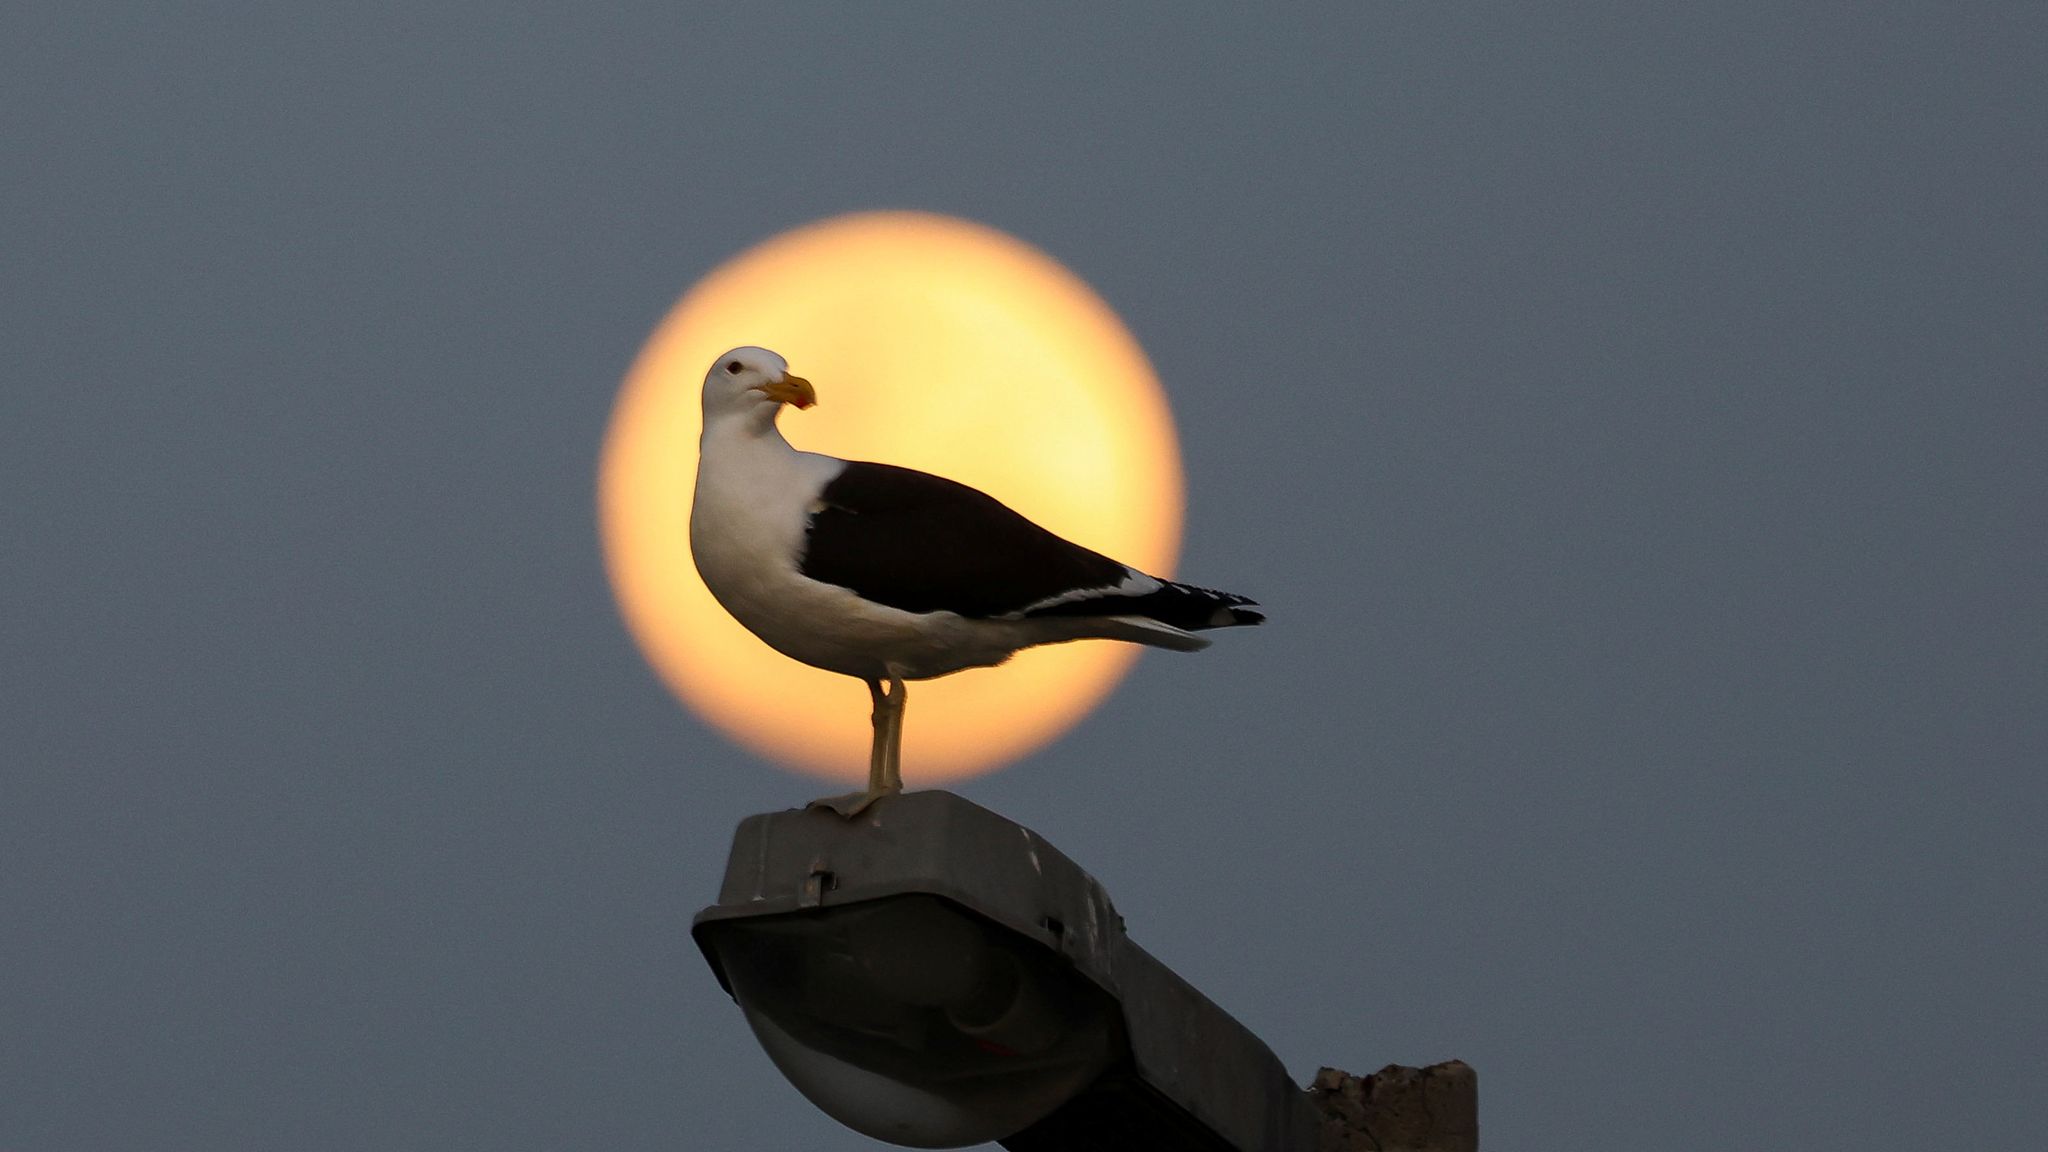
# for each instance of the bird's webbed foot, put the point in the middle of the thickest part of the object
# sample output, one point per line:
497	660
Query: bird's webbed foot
853	803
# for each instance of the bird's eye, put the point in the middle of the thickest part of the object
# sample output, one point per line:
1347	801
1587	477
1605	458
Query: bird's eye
732	367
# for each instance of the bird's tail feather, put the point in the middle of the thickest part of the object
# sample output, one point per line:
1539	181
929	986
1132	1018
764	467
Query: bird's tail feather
1183	608
1145	630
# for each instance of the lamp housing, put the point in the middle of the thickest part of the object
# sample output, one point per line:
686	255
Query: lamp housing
933	975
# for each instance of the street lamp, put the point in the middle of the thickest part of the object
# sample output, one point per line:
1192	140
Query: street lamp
933	975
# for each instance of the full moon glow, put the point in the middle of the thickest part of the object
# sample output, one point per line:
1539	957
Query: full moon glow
934	343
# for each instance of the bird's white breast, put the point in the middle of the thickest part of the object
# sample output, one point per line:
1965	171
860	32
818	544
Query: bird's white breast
748	522
748	518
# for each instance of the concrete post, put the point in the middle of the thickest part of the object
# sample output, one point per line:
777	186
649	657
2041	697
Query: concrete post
1399	1109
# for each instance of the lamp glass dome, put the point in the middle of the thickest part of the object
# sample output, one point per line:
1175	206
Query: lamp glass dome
914	1021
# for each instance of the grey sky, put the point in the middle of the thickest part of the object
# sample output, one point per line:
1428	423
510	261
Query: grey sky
1632	415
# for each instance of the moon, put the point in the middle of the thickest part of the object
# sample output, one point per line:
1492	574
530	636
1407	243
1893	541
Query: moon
935	343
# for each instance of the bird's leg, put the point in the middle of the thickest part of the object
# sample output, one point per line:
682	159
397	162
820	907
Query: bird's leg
878	751
892	757
884	775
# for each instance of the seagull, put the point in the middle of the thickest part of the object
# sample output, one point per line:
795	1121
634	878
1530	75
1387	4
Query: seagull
889	574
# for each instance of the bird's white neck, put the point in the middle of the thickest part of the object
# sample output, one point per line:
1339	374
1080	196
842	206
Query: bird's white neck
755	422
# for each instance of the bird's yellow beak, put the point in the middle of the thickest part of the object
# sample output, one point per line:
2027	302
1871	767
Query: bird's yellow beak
790	390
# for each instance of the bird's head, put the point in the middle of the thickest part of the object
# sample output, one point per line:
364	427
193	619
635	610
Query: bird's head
753	379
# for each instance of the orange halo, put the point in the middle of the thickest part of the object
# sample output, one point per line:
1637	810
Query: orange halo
934	343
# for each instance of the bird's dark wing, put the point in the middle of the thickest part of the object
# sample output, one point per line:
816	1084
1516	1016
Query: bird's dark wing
923	543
